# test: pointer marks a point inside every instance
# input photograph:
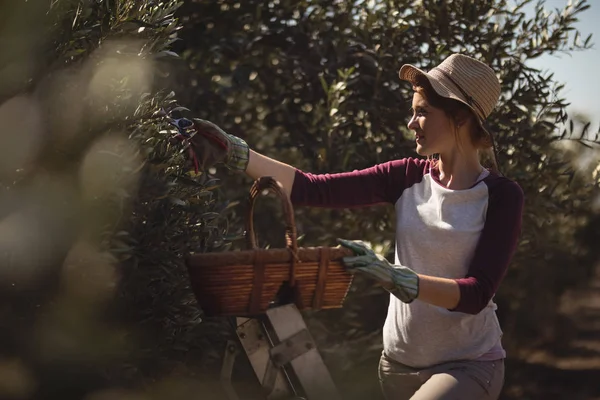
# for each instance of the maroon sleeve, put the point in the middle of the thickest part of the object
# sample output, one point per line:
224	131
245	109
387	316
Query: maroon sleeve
382	183
495	248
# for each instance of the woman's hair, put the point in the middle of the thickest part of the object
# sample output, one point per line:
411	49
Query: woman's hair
458	112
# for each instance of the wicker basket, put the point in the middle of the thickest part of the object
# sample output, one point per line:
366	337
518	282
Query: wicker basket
248	282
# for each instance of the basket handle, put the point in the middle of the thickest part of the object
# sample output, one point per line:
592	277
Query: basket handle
269	183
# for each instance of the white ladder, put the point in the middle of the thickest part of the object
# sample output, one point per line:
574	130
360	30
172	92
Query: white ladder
283	355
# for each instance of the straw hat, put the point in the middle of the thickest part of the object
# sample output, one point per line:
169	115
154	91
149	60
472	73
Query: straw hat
461	78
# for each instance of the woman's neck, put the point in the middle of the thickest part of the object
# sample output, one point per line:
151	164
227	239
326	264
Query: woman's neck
459	171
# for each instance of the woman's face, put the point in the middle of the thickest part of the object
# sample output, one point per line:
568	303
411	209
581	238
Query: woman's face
434	130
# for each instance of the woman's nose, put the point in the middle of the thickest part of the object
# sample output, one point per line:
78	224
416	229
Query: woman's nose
412	124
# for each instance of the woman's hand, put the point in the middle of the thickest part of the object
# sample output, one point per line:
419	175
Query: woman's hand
207	144
234	151
401	281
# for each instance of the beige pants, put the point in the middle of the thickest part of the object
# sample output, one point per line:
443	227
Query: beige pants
457	380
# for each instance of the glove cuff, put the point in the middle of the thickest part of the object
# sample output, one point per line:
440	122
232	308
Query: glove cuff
239	154
406	284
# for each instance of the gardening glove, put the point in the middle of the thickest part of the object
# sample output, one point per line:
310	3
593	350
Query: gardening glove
207	144
401	281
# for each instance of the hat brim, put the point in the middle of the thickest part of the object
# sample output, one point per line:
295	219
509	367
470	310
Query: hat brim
410	73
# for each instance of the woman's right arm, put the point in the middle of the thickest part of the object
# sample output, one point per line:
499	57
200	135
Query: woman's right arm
382	183
378	184
260	165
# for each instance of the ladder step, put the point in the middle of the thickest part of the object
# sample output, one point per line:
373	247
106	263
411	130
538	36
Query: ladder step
308	367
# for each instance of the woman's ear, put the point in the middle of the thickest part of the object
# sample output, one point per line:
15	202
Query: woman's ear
463	117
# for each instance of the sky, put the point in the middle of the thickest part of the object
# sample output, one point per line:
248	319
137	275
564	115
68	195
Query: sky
579	71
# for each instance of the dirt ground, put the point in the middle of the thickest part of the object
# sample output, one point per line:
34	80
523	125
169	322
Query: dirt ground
573	372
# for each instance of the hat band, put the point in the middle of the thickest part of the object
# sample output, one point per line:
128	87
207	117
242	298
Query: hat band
470	100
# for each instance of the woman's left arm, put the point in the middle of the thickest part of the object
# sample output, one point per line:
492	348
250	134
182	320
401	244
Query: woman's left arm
441	292
471	294
494	251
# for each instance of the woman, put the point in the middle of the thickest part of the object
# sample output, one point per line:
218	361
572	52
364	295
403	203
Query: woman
457	229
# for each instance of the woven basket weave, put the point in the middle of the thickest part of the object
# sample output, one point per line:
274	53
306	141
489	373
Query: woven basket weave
248	282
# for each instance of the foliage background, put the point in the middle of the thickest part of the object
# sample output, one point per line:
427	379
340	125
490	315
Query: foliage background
97	211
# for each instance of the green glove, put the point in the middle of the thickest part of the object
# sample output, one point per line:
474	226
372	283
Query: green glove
401	281
231	150
206	143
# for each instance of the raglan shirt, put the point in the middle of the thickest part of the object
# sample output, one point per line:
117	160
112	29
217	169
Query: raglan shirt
467	235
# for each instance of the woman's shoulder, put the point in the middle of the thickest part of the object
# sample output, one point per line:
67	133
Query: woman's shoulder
407	170
503	187
410	164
